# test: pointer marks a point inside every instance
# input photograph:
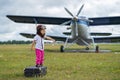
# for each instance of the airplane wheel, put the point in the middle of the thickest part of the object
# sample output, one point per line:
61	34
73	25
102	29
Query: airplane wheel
87	48
97	49
62	48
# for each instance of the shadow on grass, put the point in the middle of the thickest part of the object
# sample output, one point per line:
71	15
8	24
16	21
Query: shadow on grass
51	50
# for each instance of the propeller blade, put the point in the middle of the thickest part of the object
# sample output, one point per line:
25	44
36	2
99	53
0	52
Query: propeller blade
76	26
80	10
67	22
69	12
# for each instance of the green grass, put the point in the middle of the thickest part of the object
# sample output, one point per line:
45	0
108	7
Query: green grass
61	66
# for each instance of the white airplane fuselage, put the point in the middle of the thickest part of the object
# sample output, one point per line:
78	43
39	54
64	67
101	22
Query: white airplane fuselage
80	32
80	29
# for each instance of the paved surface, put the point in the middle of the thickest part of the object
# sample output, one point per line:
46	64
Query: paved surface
89	51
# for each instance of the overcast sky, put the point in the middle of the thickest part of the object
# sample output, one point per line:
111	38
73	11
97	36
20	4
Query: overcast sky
10	30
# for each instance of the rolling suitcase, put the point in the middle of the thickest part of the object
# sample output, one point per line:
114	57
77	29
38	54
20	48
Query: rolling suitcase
35	71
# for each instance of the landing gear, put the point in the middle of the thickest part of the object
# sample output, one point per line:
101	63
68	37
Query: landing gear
62	48
97	49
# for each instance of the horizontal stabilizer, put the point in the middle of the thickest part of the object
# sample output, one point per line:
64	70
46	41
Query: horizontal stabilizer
67	33
100	34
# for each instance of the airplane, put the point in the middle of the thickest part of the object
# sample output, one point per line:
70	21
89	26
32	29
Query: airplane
79	25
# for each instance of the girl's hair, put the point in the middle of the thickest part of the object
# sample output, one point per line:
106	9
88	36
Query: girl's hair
39	28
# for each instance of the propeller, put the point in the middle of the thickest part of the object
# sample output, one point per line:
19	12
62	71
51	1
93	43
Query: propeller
67	22
77	13
69	12
75	18
80	10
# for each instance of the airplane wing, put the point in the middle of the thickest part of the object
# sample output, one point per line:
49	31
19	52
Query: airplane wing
57	38
38	20
92	33
27	35
113	20
107	39
97	39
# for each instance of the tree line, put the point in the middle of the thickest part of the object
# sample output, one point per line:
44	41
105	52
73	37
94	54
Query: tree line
15	42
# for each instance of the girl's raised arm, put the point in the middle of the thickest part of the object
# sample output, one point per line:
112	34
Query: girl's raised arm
49	38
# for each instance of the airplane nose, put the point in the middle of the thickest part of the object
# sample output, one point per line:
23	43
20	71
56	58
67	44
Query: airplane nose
75	18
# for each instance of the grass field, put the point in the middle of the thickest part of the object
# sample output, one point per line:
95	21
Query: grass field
61	66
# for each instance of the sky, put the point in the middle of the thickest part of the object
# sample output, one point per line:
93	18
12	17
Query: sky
10	30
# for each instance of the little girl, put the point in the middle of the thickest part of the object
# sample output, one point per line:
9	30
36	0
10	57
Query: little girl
39	44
